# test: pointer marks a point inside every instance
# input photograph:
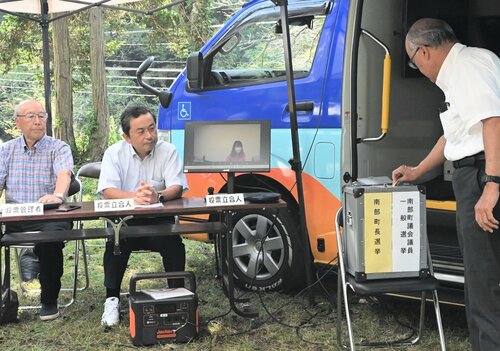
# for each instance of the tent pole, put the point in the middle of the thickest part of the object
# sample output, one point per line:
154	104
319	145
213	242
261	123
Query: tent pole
296	163
44	22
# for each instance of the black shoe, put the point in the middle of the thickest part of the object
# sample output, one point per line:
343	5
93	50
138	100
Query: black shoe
49	312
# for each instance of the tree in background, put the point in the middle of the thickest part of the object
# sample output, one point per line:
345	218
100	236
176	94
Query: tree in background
62	120
172	34
98	139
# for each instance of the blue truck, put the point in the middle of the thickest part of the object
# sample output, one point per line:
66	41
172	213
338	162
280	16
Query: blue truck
350	73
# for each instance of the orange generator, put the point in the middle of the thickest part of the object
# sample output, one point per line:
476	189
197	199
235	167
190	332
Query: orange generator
159	316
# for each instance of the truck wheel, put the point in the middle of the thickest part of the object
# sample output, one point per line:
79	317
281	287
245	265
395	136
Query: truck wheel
266	251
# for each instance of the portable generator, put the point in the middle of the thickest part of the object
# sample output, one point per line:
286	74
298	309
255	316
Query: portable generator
159	316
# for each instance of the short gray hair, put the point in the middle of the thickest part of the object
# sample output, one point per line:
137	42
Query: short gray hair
430	32
22	103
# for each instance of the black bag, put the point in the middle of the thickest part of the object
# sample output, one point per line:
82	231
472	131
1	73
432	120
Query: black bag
30	266
10	305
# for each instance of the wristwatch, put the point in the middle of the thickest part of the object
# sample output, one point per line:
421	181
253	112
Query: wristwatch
61	196
488	178
161	198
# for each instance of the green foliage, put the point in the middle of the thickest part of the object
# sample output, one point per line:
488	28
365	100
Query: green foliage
23	85
20	42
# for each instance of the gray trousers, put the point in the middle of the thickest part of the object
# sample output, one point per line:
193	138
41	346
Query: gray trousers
481	254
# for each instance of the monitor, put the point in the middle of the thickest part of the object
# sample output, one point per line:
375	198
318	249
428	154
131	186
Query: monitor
227	146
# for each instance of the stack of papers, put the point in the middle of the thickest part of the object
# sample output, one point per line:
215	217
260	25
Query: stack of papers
159	294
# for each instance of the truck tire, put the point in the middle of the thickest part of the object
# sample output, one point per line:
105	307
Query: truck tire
274	265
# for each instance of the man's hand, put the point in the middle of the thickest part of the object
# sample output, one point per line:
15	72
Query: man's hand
50	198
484	207
404	173
145	194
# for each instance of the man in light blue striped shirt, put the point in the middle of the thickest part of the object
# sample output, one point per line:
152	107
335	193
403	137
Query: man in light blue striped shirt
37	168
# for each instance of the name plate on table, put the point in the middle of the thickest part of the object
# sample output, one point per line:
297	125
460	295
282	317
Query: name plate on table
225	199
114	205
29	209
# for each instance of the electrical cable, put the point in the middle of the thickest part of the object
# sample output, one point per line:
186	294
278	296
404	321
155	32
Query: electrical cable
251	283
398	321
298	294
260	252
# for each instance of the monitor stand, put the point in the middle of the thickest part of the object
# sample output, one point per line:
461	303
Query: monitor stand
230	182
226	269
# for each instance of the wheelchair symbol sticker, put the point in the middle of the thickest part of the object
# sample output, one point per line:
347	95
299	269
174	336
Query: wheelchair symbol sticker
184	109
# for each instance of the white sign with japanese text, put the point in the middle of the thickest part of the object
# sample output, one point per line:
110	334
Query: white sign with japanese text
406	231
29	209
114	205
225	199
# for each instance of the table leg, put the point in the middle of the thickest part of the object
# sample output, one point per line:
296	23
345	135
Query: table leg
116	225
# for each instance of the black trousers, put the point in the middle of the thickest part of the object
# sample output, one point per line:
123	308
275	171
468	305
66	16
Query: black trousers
481	253
50	256
170	248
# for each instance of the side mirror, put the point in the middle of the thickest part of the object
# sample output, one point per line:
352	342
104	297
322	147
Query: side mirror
145	65
194	70
164	96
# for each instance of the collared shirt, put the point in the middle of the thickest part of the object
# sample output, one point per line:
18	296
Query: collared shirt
470	80
27	174
123	169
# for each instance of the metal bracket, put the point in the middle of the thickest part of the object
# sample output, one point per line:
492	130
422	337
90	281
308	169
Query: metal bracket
117	224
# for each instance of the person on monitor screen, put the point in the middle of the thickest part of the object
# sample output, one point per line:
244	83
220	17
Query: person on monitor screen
237	154
470	115
35	167
149	171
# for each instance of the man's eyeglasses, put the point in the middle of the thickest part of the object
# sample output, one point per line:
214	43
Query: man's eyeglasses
42	116
411	63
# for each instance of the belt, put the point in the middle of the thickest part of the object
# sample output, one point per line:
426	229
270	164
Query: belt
470	161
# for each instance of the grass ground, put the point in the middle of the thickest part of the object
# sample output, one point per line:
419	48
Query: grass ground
285	322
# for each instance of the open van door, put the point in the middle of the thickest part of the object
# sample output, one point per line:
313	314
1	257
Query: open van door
414	125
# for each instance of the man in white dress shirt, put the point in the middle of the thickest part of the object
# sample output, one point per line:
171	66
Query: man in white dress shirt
470	115
149	171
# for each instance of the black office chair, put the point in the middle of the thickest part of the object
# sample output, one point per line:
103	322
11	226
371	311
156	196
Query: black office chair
74	188
382	286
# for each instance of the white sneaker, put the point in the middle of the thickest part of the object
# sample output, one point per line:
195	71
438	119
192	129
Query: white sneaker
111	315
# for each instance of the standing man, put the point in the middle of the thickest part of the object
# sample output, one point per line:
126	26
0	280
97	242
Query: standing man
149	171
470	115
38	168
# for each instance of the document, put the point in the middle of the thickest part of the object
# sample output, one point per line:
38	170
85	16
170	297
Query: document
168	293
158	204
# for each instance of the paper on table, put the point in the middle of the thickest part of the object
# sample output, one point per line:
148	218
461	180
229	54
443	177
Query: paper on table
158	204
168	293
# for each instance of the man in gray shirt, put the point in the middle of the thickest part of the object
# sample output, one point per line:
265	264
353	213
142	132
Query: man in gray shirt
149	171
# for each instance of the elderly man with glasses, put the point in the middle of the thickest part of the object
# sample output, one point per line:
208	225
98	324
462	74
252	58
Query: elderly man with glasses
470	115
35	167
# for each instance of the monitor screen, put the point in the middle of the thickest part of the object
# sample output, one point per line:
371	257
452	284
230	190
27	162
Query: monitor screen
227	146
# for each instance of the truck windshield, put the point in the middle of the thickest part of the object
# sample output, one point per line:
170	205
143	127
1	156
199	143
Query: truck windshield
260	46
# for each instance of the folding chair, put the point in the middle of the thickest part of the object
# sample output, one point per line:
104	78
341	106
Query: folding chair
74	188
382	286
91	171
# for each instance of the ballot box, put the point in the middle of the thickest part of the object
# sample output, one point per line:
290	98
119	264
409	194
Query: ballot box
385	231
